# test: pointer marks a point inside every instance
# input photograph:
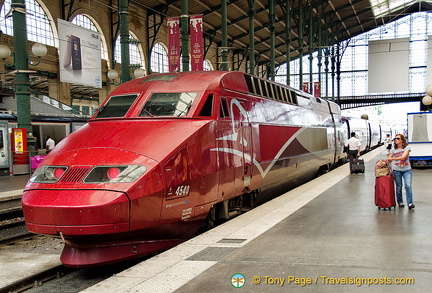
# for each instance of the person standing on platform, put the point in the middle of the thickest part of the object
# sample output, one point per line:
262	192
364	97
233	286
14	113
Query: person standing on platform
36	144
399	157
50	144
353	145
388	143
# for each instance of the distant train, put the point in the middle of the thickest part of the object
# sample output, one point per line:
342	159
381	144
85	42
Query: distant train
42	125
56	126
169	153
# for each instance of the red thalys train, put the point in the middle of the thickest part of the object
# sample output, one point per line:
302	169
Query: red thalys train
168	152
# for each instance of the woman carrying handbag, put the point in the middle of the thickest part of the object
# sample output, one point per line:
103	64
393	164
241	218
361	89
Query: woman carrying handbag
399	157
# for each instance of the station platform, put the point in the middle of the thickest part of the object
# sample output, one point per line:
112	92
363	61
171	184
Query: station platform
15	265
12	185
324	236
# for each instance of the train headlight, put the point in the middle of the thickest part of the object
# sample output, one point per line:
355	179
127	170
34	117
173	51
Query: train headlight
48	174
115	174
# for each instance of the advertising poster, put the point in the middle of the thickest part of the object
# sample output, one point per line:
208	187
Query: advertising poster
173	26
196	42
80	55
19	140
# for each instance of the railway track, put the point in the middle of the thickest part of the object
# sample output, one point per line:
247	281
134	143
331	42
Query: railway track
14	237
13	231
12	225
64	279
36	281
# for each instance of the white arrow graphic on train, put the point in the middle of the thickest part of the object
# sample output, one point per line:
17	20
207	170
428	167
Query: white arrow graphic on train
234	137
255	162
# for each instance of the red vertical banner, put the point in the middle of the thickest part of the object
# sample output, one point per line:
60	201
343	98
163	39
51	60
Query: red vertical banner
173	26
305	86
317	89
196	38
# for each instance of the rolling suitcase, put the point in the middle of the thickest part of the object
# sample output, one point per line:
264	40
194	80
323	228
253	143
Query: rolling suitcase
385	192
358	165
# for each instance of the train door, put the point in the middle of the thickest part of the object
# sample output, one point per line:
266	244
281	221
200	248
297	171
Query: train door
234	143
4	148
226	151
245	141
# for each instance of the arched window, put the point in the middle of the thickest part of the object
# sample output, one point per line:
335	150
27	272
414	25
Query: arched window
87	23
38	25
159	59
134	53
207	66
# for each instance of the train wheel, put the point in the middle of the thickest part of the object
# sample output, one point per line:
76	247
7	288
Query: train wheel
209	222
323	170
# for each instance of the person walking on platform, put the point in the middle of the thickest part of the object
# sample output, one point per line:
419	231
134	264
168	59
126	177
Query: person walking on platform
399	157
49	144
353	145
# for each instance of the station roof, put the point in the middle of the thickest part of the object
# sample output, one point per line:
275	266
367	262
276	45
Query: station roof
338	19
334	20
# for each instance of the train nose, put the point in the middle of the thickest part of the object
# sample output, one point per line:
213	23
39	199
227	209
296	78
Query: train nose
76	212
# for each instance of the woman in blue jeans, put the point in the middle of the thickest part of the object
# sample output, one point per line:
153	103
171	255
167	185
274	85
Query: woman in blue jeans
399	157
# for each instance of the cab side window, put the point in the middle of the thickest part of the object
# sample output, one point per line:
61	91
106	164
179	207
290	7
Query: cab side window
207	108
223	111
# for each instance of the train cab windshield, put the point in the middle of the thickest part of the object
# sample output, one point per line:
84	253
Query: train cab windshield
168	104
117	106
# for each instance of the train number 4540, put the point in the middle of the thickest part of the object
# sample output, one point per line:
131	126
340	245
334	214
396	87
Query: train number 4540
182	190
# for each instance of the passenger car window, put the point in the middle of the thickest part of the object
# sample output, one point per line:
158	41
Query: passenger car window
168	104
117	106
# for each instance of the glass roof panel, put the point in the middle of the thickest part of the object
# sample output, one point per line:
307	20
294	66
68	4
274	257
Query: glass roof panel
382	7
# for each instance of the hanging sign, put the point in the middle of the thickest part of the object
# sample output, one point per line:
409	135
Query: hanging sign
173	26
317	89
80	55
305	87
196	38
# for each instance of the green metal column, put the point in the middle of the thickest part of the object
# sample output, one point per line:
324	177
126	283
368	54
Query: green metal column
338	72
300	44
310	49
326	62
22	83
288	40
124	40
326	70
184	32
319	52
224	65
272	39
333	69
251	37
